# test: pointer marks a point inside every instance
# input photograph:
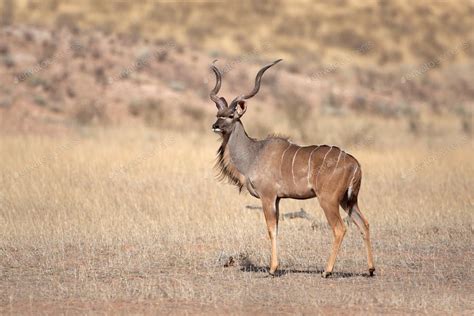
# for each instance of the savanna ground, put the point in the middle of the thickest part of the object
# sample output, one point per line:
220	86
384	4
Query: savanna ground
132	220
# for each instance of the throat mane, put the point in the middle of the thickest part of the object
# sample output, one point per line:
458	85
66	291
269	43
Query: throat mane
226	169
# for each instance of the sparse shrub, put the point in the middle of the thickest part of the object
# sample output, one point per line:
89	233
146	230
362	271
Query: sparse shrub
8	61
84	115
290	26
49	49
68	21
134	108
465	118
39	100
359	137
466	125
151	110
162	56
199	32
56	108
347	38
154	113
297	111
135	31
6	103
387	57
177	85
28	35
265	7
79	50
331	104
100	76
35	81
359	103
70	92
196	117
195	114
4	49
414	123
96	53
89	112
385	108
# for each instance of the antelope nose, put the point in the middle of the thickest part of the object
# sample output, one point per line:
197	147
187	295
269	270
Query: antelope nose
214	126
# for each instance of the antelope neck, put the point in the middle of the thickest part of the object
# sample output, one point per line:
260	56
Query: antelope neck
243	149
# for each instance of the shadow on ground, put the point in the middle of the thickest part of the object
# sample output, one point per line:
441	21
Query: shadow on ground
250	267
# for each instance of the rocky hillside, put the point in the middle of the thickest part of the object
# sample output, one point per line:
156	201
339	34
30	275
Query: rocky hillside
57	78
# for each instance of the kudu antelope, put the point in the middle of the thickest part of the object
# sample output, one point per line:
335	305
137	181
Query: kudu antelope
274	168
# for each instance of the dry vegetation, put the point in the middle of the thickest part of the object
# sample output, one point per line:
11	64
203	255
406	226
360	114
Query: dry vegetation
401	32
124	219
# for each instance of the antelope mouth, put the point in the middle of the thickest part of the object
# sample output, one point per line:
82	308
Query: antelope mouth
216	130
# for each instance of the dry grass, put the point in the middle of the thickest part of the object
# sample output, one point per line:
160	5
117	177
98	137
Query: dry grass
131	220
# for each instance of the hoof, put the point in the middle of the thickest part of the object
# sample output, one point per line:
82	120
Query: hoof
326	274
371	271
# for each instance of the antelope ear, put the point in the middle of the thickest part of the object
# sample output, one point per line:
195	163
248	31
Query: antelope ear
241	108
224	101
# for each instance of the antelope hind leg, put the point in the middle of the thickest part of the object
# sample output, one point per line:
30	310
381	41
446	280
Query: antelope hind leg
331	210
363	225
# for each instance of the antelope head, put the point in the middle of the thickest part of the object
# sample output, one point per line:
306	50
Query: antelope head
228	115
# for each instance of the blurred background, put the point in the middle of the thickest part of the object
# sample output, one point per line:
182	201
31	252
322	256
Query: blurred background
350	70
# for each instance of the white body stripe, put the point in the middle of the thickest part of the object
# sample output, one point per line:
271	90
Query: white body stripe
337	162
281	159
309	165
293	164
322	164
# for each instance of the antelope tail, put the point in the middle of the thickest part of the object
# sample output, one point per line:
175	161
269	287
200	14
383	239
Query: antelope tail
354	184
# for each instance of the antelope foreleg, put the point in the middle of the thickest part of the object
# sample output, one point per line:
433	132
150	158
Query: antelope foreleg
270	210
